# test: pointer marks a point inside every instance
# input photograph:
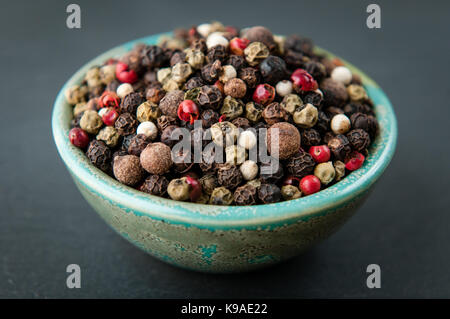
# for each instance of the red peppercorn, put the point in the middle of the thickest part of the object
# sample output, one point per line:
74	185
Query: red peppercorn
188	111
124	75
309	184
196	188
264	94
222	118
354	161
78	137
110	117
303	81
238	45
109	99
291	180
320	153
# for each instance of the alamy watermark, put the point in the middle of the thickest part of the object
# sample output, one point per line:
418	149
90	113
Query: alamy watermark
73	20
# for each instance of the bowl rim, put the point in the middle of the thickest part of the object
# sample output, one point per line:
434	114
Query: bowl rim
353	185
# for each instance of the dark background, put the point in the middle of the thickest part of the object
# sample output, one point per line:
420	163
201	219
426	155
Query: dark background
45	224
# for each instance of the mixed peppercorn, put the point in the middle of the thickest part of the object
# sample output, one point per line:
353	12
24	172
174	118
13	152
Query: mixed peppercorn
235	83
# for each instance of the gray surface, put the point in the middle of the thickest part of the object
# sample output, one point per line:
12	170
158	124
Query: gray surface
45	224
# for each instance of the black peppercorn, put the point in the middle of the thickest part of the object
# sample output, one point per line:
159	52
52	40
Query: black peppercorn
316	69
298	44
183	161
251	76
229	176
269	193
126	124
218	52
137	144
100	155
112	87
312	97
169	136
373	126
126	142
323	122
154	93
357	107
209	183
310	137
209	97
340	147
199	44
194	82
301	164
208	163
165	120
177	57
208	118
242	123
271	172
294	59
334	92
237	61
153	56
274	113
273	69
131	102
245	195
211	72
359	139
155	185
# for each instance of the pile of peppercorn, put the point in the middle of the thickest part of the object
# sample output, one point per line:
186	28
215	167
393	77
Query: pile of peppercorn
235	82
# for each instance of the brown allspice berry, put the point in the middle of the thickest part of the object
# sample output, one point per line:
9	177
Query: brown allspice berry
99	154
283	138
300	164
229	176
155	185
334	92
340	147
156	158
250	76
245	195
137	144
269	193
128	170
130	102
170	102
235	88
126	124
359	139
274	113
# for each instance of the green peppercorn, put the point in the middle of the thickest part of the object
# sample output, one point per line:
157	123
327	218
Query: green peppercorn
192	94
178	189
148	111
306	117
180	72
290	192
253	111
291	103
325	172
209	183
224	133
109	135
107	73
255	53
76	94
221	196
231	108
195	58
92	78
356	93
91	122
340	170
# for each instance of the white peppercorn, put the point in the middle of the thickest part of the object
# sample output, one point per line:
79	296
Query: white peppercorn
249	170
340	124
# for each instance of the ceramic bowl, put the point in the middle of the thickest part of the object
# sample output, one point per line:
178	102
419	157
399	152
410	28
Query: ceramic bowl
216	238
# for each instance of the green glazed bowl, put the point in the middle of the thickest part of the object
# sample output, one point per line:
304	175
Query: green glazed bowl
222	239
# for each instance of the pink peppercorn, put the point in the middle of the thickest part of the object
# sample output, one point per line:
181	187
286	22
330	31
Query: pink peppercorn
303	81
124	75
110	117
264	94
309	184
78	137
354	161
320	154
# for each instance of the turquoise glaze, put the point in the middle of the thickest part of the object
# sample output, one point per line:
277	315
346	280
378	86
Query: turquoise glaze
221	238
